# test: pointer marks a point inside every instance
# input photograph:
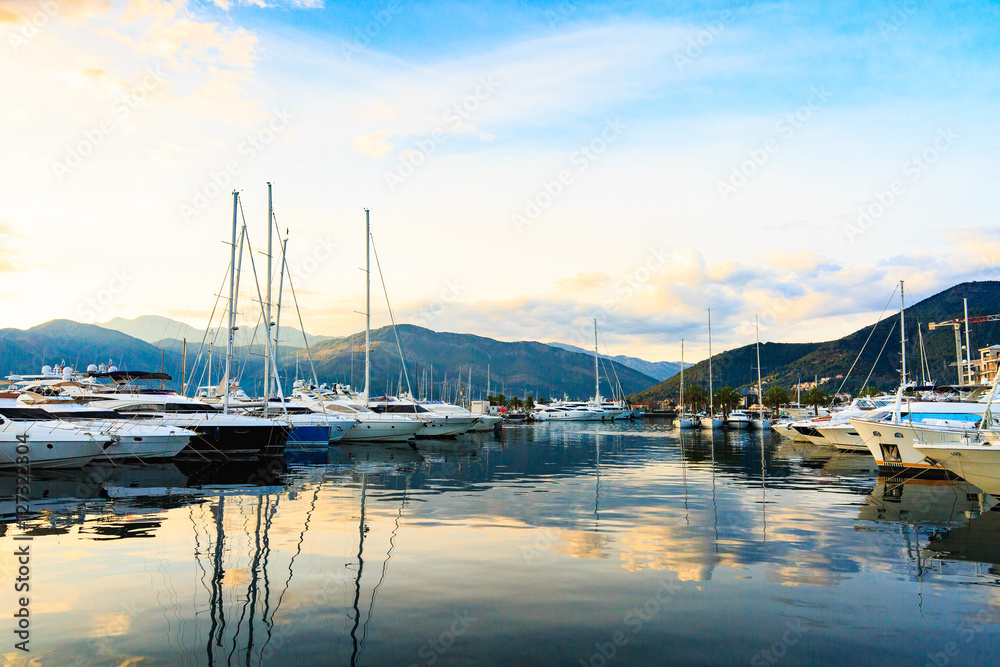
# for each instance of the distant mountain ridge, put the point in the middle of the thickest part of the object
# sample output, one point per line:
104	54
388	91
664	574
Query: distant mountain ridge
785	364
659	370
155	329
517	368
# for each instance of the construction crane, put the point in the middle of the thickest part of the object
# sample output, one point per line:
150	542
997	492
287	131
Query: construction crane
957	325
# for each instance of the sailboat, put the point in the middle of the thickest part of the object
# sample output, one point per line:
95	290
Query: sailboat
684	420
371	426
759	423
711	421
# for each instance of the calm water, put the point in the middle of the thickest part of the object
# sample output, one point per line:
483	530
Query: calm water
565	544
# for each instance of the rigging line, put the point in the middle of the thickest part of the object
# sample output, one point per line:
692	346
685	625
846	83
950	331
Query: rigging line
391	317
295	300
211	317
392	545
607	351
878	357
870	334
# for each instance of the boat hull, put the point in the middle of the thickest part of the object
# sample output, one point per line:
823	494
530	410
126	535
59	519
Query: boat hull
382	431
978	463
894	446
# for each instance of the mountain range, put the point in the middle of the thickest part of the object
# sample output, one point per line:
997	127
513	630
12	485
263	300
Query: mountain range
518	368
660	370
786	364
156	329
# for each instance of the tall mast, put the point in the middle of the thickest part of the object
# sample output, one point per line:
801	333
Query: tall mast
968	347
232	298
267	316
711	398
760	395
680	400
902	329
368	302
597	374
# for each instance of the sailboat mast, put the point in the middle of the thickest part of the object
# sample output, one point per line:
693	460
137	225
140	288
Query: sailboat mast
232	297
711	397
902	329
680	400
368	303
597	373
267	316
760	395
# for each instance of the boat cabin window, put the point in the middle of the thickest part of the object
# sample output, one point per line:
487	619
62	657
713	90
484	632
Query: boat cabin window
85	414
27	414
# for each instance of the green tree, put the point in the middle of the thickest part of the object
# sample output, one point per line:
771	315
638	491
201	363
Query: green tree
514	402
529	403
815	397
727	399
869	391
775	397
695	396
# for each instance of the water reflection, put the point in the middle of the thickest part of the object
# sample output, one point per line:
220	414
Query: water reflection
547	537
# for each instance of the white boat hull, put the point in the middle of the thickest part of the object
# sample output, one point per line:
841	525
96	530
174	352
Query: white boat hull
688	422
894	445
713	423
976	463
382	430
52	449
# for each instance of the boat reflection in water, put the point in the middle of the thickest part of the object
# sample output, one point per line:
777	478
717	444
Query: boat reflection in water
530	549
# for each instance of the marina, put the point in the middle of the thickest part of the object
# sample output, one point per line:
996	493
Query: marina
540	545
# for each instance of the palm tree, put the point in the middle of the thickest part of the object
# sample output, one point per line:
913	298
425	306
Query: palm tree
529	404
727	398
775	397
815	397
695	396
514	402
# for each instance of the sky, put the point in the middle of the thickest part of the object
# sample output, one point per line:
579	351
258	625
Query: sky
528	166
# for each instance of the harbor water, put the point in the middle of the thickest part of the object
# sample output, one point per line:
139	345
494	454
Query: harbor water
574	543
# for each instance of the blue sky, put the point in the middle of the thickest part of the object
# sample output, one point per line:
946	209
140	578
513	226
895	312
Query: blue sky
529	166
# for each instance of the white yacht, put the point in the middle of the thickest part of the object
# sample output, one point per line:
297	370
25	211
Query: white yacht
370	426
839	431
437	423
33	437
976	462
892	433
564	412
738	419
485	421
131	439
